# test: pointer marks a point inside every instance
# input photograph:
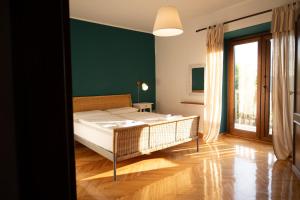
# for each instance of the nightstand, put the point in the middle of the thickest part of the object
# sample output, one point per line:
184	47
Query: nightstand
143	106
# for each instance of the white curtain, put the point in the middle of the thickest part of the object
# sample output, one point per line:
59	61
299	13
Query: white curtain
283	24
213	83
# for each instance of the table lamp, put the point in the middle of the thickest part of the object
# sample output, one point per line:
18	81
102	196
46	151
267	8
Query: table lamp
141	85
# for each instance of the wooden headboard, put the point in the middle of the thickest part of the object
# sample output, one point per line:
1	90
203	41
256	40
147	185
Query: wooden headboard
101	102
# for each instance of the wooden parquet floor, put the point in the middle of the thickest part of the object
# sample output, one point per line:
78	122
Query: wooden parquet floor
227	169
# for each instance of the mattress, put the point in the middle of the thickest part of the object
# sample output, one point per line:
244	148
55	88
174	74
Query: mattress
97	136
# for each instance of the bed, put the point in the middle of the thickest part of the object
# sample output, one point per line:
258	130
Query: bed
109	126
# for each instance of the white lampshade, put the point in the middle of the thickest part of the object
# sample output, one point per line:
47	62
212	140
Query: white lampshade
167	22
144	87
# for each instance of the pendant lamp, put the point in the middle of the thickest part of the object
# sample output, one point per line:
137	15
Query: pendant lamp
167	22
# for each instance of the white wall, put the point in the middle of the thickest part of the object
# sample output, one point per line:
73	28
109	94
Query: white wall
175	54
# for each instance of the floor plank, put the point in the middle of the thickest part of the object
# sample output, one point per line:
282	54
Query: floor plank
230	168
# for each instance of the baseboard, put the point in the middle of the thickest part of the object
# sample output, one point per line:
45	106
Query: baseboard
296	171
201	135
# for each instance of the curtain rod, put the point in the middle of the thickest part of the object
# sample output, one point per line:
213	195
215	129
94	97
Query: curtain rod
248	16
234	20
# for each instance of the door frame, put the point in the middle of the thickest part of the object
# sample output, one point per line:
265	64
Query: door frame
37	143
266	87
296	111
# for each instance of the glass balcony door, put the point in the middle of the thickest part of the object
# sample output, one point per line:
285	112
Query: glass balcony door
249	87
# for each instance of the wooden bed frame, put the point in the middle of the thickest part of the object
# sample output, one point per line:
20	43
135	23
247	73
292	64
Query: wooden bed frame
133	141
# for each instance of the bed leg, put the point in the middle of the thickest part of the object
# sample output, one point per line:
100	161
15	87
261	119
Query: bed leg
198	144
115	167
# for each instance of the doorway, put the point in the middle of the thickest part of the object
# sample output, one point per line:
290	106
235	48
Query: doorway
249	87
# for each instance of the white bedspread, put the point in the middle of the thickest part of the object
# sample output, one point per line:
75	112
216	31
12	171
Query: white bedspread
149	117
98	128
109	121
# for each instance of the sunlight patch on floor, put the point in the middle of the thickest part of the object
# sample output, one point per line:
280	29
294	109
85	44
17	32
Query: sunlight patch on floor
142	166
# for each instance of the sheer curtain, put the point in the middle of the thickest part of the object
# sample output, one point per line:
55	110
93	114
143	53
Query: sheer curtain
213	83
283	24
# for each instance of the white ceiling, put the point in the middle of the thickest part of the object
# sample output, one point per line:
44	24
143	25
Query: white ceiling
140	14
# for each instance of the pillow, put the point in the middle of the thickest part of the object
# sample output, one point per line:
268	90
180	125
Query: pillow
83	114
122	110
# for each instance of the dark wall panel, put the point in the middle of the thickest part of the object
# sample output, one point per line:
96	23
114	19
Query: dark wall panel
108	60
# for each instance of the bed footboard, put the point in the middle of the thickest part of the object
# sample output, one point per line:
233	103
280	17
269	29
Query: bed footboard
130	142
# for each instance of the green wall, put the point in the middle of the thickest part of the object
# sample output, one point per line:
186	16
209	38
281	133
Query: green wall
227	37
108	60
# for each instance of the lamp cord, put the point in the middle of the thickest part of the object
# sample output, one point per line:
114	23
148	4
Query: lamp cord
138	94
